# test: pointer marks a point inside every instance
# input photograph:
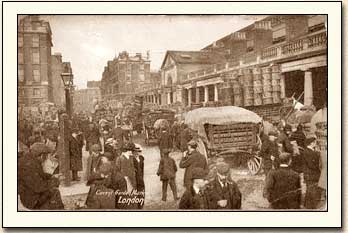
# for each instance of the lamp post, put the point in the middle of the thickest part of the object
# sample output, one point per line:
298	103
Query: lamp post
67	78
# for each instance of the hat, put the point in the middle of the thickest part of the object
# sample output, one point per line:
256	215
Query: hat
273	133
309	140
39	148
138	148
192	143
222	168
129	146
287	127
198	173
109	141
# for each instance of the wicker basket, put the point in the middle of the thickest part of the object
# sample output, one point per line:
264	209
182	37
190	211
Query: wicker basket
276	97
276	88
268	100
267	88
238	100
257	99
249	101
258	89
275	82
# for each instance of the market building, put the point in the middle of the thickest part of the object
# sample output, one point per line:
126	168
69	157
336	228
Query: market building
35	84
123	76
150	90
263	64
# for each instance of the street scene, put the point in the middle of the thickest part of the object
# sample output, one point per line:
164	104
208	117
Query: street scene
172	112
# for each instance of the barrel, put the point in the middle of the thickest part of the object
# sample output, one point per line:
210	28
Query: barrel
276	97
267	100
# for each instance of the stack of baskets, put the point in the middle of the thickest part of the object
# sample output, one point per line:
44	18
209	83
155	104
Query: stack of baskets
258	89
276	84
267	85
248	89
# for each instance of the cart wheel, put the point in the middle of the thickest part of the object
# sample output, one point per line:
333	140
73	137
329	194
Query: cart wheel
254	164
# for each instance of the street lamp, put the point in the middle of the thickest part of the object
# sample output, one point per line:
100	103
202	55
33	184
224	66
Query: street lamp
67	78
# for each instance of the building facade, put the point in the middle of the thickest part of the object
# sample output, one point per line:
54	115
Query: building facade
123	76
57	83
35	84
273	59
86	99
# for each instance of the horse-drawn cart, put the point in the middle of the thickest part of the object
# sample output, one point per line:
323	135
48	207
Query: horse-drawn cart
227	132
153	116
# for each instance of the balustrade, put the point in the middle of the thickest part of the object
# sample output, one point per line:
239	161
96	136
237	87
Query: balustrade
317	40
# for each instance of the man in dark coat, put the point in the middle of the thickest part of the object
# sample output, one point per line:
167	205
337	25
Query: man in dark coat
283	139
311	171
270	153
194	196
283	186
93	137
223	191
192	159
185	137
138	160
75	149
37	189
165	141
166	170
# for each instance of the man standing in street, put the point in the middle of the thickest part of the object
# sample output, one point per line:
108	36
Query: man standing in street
283	185
75	151
223	191
139	173
195	197
311	171
270	152
192	159
165	142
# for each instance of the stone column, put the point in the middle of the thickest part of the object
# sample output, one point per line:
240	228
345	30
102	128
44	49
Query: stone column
197	95
216	94
206	94
308	88
282	86
168	98
189	97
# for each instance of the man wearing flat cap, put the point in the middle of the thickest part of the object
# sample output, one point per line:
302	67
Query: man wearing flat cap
195	197
311	171
192	159
223	191
38	190
270	152
283	185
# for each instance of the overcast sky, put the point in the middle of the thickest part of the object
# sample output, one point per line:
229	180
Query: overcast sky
88	42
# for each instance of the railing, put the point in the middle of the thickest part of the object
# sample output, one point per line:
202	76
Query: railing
279	51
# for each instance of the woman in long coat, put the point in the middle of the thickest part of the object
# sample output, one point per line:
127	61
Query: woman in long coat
75	149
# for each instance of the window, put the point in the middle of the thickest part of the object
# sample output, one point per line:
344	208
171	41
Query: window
20	74
250	45
36	75
279	35
35	41
20	41
316	23
36	58
20	57
37	92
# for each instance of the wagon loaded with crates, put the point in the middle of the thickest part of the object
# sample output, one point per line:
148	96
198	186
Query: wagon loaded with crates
227	132
153	116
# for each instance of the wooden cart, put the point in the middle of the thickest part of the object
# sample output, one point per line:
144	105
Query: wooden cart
227	132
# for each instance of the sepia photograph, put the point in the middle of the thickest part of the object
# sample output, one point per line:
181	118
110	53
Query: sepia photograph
172	113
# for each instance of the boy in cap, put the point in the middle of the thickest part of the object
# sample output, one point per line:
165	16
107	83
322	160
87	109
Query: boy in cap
270	152
195	197
283	186
223	191
37	189
167	170
192	159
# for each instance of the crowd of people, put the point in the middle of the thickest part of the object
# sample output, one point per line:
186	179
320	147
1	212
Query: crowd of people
115	167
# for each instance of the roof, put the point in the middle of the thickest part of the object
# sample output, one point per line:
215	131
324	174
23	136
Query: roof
194	57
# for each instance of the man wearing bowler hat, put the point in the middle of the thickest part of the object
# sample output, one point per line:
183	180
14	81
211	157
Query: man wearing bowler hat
270	152
195	197
192	159
223	191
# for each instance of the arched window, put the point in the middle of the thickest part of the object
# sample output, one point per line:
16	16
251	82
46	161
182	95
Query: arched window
169	80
